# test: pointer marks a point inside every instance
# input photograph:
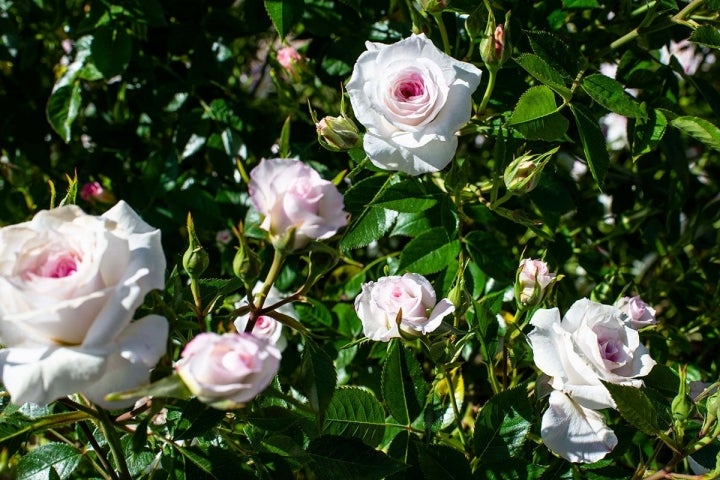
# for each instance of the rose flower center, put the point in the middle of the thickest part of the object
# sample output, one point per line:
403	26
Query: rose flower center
410	87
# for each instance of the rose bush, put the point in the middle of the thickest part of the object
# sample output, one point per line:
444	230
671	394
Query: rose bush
412	98
227	370
69	286
291	195
591	344
409	297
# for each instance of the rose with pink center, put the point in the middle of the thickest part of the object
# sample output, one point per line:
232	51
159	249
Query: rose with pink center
409	299
291	195
590	345
412	99
69	287
227	371
639	314
267	327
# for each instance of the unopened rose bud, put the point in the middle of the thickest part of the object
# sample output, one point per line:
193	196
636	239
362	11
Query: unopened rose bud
495	47
94	192
195	259
434	6
639	314
523	173
246	264
292	62
532	283
682	405
337	134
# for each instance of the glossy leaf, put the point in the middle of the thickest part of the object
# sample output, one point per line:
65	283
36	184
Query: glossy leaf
429	252
284	14
63	459
544	72
349	459
700	129
707	35
407	196
403	384
63	108
648	133
318	376
355	412
610	94
635	407
439	461
536	115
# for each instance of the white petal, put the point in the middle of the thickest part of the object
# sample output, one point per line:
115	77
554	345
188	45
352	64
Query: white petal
575	433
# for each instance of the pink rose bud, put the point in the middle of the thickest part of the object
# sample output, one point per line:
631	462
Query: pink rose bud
297	204
495	47
288	57
94	192
394	304
532	282
639	314
227	371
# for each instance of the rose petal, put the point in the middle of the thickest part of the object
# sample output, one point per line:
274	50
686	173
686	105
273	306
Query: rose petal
575	433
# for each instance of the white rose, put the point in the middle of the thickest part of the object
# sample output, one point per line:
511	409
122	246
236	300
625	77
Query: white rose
69	286
412	99
267	327
639	313
411	296
592	343
226	371
290	194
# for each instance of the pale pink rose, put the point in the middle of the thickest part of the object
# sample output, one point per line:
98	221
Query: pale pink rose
639	313
227	371
688	54
591	344
533	279
412	99
267	327
287	57
289	194
69	286
379	304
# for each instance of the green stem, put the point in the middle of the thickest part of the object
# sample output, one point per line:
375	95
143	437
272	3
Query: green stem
682	15
109	473
488	91
257	303
443	32
108	429
456	410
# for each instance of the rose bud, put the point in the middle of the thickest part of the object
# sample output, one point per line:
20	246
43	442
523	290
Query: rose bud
523	173
94	192
639	313
195	258
337	134
495	47
532	282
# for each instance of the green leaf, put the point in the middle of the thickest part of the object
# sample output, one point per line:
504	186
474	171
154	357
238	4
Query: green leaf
355	412
713	5
536	116
580	4
408	196
700	129
111	50
491	255
318	376
706	35
593	143
429	252
648	133
197	418
541	70
635	407
439	461
60	457
371	225
403	384
349	459
284	14
555	52
502	426
63	107
610	94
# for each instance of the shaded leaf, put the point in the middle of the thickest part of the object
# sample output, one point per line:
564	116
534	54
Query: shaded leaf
349	459
63	107
706	35
63	459
648	133
544	72
403	384
439	461
502	427
593	142
318	376
284	14
111	50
